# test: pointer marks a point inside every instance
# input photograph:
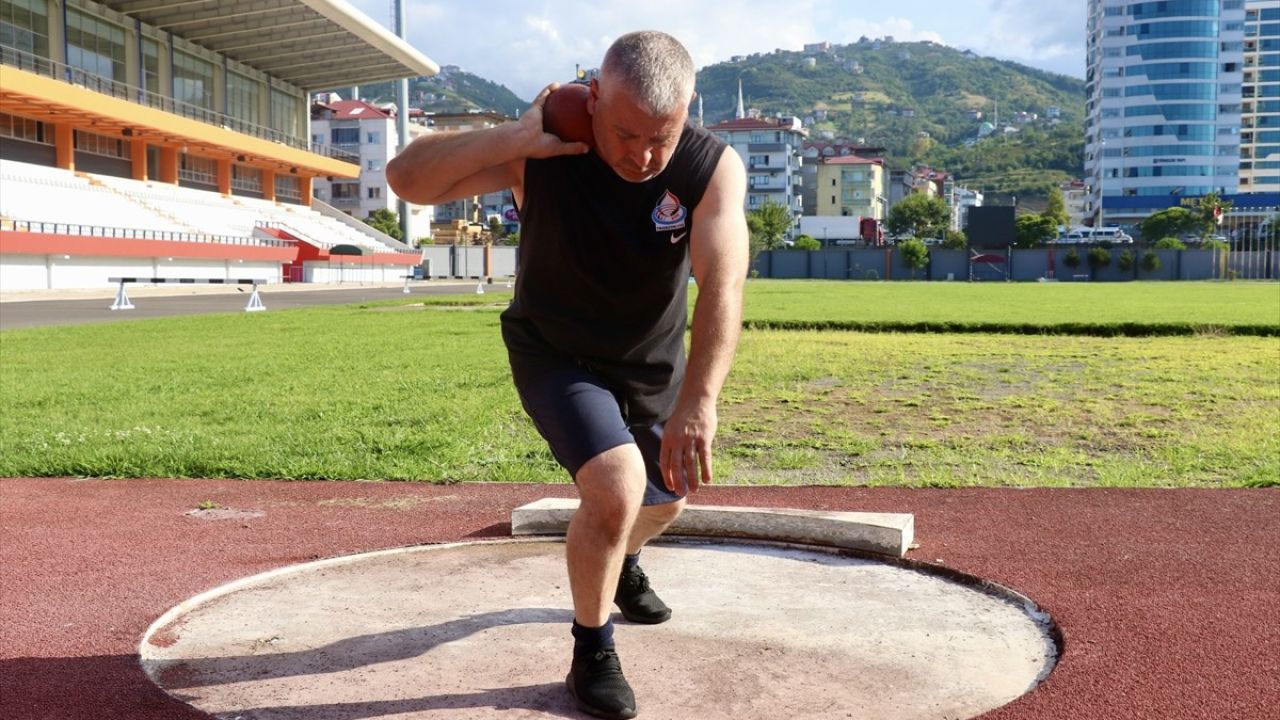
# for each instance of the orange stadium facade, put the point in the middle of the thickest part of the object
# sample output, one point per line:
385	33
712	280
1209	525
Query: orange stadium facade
171	138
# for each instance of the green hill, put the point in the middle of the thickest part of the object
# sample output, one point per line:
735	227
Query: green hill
451	91
916	99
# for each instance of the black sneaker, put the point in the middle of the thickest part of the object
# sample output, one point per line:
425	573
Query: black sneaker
638	602
598	687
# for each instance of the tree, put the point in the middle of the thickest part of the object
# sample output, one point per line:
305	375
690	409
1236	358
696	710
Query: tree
769	224
1170	243
496	229
1030	230
1071	259
954	240
1125	261
1099	257
807	242
1057	209
918	215
915	254
385	222
1169	223
1150	261
1212	210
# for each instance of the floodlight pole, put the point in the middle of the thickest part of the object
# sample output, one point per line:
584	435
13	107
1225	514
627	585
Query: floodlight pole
402	121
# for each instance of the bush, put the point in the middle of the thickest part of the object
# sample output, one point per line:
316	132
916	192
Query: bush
1071	259
807	242
1125	261
1170	243
1150	261
1099	257
914	253
954	240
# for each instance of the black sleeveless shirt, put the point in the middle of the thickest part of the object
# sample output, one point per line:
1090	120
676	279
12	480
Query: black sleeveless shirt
604	270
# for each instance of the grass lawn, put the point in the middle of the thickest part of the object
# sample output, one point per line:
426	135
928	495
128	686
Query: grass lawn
405	392
1073	307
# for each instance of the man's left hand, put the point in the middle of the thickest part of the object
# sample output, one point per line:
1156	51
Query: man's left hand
686	447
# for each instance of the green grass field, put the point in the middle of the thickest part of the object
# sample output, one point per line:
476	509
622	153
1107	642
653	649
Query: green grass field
403	391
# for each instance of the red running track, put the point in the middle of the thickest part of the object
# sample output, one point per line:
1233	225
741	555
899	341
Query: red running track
1168	600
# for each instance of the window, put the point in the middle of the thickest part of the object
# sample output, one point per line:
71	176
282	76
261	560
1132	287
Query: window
95	46
20	128
246	178
287	188
197	169
151	68
345	136
192	80
375	193
24	26
242	98
284	114
374	138
374	165
96	144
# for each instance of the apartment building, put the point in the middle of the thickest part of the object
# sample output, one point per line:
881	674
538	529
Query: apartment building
850	186
1260	121
1164	92
772	152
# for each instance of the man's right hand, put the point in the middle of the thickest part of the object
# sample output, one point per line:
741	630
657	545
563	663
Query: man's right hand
542	143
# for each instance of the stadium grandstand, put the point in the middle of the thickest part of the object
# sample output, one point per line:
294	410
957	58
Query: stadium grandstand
171	138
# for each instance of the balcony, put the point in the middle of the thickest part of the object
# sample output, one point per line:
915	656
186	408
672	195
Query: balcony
12	57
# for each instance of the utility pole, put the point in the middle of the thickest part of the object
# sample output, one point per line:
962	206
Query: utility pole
402	122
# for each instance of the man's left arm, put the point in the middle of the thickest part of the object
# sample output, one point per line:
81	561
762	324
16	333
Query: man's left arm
718	249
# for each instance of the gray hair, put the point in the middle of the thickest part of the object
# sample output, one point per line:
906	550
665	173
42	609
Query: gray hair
655	67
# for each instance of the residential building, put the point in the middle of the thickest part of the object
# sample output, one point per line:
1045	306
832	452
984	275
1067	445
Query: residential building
1260	121
370	133
1075	198
772	152
1163	103
850	186
814	152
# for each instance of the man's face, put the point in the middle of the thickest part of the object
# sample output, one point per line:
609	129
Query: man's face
634	143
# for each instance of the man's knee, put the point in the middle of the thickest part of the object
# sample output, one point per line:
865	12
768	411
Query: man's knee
611	486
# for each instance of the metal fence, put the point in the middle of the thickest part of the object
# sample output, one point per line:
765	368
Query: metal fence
57	228
1060	263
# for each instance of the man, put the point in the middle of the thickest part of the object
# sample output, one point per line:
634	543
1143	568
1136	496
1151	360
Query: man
595	334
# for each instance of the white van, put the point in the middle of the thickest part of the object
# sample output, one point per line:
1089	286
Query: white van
1111	234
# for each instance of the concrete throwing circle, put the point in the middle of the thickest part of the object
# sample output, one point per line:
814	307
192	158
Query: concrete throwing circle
481	630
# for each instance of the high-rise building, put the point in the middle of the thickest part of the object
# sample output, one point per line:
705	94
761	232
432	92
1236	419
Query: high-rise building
1260	124
1164	98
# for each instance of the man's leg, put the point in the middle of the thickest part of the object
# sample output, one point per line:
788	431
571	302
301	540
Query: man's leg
611	486
651	522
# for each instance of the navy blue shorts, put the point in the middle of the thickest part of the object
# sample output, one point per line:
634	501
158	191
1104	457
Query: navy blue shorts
580	416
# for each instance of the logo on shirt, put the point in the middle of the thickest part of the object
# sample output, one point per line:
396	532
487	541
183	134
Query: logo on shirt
669	214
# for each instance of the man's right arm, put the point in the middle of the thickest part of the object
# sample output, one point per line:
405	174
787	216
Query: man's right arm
440	167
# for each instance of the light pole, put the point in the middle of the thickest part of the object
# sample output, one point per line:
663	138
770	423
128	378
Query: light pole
1102	184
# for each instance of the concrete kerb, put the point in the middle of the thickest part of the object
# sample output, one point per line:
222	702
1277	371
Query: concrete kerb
710	523
889	534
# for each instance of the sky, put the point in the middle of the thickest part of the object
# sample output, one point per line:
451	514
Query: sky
526	44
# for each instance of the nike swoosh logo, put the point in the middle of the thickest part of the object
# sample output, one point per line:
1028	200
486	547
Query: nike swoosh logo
677	238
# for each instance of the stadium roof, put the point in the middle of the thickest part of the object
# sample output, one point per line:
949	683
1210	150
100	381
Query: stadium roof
313	44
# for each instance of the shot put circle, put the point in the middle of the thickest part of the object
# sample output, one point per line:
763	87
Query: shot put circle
481	630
